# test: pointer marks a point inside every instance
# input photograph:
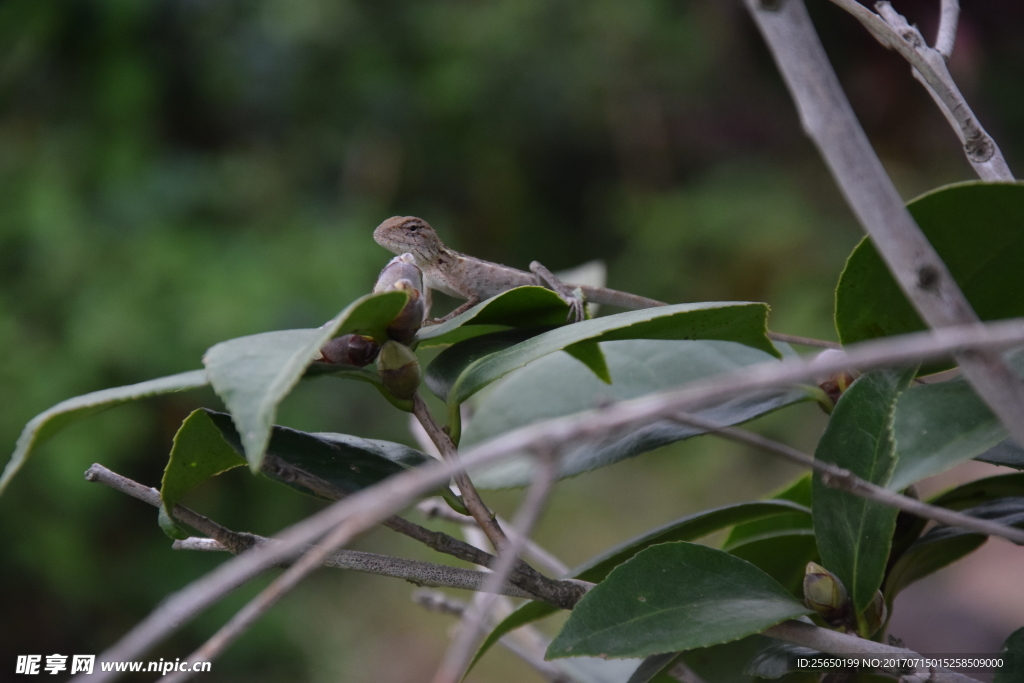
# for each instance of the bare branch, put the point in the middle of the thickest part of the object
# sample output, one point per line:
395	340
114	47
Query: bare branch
461	650
839	478
437	508
537	585
829	121
804	341
556	592
929	66
234	541
372	505
833	642
945	38
415	572
209	545
481	513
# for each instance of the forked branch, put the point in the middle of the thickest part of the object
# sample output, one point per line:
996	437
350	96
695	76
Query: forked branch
928	65
829	121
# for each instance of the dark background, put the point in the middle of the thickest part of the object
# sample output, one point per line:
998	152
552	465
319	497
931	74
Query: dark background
178	172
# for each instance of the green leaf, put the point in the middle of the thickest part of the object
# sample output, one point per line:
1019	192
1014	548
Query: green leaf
46	424
979	491
253	374
943	545
689	528
349	463
930	558
782	555
207	444
1013	647
368	375
724	663
519	307
199	452
670	597
798	492
652	666
976	228
772	660
526	613
589	353
854	534
557	385
1006	453
448	366
938	426
745	323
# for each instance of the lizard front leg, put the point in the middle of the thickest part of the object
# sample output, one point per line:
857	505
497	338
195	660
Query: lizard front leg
577	307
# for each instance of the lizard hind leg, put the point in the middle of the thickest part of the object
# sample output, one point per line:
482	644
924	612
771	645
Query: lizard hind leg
577	306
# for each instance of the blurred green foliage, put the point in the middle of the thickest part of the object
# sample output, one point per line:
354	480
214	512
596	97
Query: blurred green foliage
178	172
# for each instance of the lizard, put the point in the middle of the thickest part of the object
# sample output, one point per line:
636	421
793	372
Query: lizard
473	279
467	277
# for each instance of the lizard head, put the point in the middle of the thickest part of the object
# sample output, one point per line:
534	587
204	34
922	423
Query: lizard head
401	234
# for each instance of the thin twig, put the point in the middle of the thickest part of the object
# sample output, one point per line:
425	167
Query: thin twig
436	508
267	598
804	341
481	513
833	642
538	585
929	66
945	37
556	592
461	650
437	601
414	571
370	506
829	121
234	541
844	480
209	545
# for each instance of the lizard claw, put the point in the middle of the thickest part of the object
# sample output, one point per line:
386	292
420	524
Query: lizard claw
577	308
573	297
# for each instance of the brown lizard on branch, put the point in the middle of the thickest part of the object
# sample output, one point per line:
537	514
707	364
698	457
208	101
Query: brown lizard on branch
466	277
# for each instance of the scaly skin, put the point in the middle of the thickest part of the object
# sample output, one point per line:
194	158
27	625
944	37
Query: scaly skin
473	279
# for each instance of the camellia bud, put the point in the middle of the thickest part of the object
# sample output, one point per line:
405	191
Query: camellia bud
408	322
350	349
825	593
402	274
402	267
836	383
875	615
399	369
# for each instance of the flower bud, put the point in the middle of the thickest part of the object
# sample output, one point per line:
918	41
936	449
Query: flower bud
402	274
402	267
836	383
825	593
399	369
349	349
408	322
874	615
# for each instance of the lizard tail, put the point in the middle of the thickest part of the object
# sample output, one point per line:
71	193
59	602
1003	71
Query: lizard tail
611	297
